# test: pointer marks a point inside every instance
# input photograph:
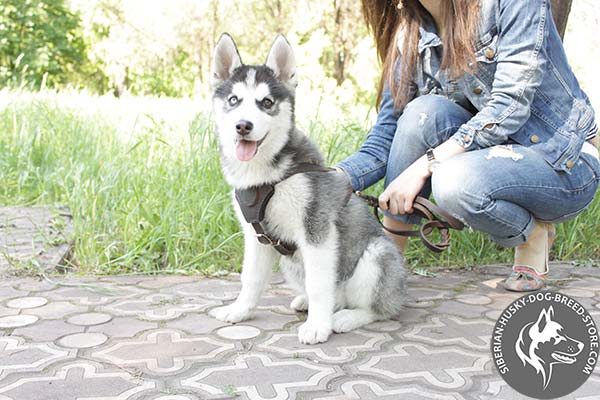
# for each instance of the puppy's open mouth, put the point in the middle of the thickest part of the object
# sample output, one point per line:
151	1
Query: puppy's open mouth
563	358
245	150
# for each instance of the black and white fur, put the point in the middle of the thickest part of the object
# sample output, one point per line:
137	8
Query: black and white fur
347	271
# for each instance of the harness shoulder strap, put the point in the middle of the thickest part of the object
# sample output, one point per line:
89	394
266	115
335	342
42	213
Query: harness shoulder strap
253	202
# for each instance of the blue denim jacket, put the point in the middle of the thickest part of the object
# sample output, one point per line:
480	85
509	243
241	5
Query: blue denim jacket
522	88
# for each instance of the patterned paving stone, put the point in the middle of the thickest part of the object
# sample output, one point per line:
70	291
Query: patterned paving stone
89	319
442	368
16	321
409	315
453	307
151	338
48	330
383	326
474	299
93	297
197	323
82	340
66	384
27	302
158	306
120	327
212	289
497	389
54	310
259	376
163	351
31	233
445	280
33	285
123	279
238	332
451	330
365	389
8	291
268	320
499	300
418	293
164	281
578	292
4	311
16	355
340	348
493	315
278	301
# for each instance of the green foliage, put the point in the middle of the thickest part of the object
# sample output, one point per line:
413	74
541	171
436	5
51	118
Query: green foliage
41	44
165	48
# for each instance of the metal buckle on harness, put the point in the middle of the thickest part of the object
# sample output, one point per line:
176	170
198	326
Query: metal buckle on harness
266	239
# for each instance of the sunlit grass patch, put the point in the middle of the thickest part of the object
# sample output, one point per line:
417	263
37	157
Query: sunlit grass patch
143	181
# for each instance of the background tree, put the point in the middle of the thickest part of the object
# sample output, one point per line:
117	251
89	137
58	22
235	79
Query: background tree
41	42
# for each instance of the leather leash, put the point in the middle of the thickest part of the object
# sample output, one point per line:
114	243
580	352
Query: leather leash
253	203
436	219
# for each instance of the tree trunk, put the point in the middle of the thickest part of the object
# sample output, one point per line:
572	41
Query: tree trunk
560	12
339	53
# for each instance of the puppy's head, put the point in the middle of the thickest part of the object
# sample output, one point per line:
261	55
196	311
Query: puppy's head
253	104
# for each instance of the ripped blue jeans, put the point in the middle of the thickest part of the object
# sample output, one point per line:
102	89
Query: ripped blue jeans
498	190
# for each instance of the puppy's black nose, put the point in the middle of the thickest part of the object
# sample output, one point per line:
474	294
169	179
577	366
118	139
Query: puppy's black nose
244	127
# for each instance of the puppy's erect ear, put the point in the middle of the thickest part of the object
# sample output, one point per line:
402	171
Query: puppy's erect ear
282	61
226	59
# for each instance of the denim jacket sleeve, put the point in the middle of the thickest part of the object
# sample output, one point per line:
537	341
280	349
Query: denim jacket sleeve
521	59
368	165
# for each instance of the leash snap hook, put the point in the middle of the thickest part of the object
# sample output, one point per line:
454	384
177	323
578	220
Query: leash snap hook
266	239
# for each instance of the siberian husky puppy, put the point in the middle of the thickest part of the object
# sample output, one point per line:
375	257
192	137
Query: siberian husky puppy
347	272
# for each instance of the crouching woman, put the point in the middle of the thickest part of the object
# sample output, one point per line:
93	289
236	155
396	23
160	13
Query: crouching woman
478	105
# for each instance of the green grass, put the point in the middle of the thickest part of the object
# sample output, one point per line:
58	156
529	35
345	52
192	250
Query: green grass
147	194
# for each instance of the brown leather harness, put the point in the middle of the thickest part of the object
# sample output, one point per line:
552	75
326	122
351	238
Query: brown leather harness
253	202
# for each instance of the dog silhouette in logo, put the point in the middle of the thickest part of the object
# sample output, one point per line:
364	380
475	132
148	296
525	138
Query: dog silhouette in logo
544	343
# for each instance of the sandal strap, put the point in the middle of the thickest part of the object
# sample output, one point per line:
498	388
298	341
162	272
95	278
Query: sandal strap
524	279
530	272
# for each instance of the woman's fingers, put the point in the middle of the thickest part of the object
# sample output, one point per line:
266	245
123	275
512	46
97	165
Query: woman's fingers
393	202
384	199
394	206
408	205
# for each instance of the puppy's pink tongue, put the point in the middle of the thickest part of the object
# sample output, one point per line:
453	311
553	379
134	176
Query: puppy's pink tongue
245	150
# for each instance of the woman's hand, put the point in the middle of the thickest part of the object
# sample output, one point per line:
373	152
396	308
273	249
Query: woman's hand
399	196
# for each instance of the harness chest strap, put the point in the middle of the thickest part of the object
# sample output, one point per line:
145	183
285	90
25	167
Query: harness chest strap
253	202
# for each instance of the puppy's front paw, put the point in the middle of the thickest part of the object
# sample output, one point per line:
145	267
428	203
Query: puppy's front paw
231	313
313	333
300	303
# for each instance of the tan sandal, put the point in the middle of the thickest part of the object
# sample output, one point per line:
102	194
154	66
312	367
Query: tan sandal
525	278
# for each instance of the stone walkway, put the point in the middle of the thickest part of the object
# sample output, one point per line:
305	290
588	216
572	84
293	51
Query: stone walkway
135	337
33	239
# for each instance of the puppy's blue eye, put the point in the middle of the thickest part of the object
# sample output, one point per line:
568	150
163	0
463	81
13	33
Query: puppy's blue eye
233	100
267	103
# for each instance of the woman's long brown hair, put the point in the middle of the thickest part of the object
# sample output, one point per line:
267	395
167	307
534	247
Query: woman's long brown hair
387	18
